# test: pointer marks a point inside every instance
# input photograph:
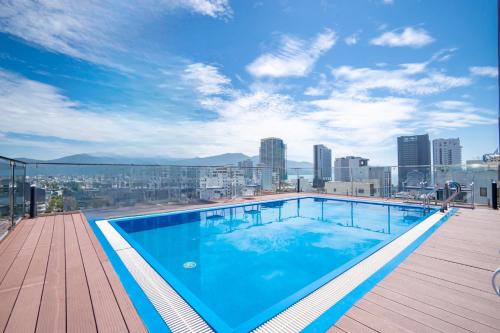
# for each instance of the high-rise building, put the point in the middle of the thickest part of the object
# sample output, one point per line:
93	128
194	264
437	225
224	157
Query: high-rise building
272	153
350	168
446	152
246	167
414	161
322	165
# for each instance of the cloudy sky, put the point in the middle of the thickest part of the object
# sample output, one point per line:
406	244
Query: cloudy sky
184	78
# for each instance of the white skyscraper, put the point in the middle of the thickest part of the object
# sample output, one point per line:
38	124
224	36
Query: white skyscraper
447	151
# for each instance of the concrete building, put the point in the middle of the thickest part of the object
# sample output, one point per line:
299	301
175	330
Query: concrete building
384	177
350	168
475	179
322	165
221	182
356	188
446	152
414	161
272	153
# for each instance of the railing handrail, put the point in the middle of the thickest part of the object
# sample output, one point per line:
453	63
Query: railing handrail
12	160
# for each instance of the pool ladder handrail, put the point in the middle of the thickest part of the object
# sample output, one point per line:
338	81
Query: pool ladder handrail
493	278
426	202
451	198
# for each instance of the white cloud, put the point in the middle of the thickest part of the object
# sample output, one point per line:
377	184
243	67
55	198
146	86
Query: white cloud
295	56
206	79
489	71
213	8
413	37
351	39
92	30
458	114
412	79
388	2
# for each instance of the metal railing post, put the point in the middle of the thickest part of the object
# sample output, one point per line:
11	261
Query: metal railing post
11	193
24	189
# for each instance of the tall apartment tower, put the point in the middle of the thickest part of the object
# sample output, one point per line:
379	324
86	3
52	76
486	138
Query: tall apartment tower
414	161
322	165
272	153
446	152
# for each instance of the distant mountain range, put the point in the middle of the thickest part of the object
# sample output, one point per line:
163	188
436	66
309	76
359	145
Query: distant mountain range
223	159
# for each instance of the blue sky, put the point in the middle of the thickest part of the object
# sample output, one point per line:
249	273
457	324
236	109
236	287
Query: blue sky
202	77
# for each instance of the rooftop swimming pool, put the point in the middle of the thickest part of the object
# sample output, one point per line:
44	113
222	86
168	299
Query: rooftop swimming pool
241	265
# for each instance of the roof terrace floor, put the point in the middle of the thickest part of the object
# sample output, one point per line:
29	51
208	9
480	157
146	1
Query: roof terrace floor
55	277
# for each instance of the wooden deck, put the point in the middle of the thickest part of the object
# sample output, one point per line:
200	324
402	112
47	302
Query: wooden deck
55	277
445	285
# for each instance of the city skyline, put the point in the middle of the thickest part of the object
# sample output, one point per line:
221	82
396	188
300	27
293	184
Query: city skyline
352	75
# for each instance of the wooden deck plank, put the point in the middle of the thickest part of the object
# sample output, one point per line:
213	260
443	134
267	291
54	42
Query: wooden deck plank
11	284
132	319
106	310
431	296
52	312
431	320
479	304
461	274
406	322
25	312
79	315
437	283
4	243
437	312
347	324
379	324
461	249
9	254
335	329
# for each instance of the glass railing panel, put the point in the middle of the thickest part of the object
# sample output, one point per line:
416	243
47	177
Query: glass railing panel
20	192
5	181
125	189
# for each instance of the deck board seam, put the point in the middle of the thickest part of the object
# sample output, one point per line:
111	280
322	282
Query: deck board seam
440	278
483	294
453	262
7	240
15	257
428	314
46	269
85	273
107	278
438	307
403	315
25	273
361	323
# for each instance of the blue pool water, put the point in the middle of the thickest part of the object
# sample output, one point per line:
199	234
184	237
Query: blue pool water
239	266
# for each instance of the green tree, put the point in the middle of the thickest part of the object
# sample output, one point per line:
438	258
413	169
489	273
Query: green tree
56	204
